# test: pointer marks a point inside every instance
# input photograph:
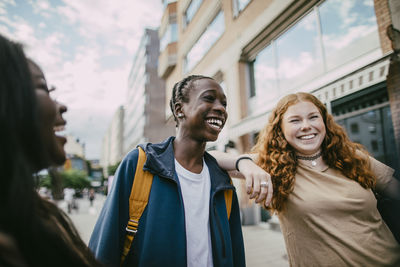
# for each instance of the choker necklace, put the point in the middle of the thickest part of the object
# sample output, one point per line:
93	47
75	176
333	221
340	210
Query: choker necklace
312	158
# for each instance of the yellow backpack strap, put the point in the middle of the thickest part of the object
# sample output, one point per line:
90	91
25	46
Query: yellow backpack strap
137	201
228	201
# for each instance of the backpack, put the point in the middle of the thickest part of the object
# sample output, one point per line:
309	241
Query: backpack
139	197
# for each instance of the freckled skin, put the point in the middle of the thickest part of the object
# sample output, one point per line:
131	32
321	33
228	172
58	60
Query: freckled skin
303	128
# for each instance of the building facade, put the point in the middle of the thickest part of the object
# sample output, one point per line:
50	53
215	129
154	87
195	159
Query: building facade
145	107
113	141
74	147
344	52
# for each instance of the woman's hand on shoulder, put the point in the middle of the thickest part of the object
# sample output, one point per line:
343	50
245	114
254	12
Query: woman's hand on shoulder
258	181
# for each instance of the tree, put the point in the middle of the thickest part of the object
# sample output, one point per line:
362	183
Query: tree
113	168
75	179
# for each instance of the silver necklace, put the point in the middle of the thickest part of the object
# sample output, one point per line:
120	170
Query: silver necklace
312	158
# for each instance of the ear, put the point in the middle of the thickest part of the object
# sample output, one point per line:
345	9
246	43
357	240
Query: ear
178	110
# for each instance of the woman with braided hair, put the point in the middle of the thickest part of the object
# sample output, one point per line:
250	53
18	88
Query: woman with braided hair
322	187
185	222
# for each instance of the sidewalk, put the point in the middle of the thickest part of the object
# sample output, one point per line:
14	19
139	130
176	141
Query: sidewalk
85	217
264	247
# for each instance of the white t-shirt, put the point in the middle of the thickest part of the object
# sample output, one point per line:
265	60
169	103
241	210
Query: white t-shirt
195	189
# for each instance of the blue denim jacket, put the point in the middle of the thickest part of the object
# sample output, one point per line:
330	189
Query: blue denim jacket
161	236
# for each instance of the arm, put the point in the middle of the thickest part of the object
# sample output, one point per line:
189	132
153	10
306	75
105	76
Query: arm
392	190
109	232
253	174
386	184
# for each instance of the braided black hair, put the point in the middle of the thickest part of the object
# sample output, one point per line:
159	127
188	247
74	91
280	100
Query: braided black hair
180	91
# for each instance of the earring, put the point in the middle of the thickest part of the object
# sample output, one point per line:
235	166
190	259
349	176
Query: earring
180	115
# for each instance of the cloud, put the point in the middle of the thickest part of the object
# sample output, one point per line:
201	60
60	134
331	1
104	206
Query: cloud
120	21
341	40
18	29
85	49
89	124
7	2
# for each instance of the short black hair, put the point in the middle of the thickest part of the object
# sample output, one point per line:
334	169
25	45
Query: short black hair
181	89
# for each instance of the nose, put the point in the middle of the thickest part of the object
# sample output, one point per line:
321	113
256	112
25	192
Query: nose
61	107
220	107
305	125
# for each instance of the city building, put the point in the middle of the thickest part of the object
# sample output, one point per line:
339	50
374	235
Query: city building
344	52
95	173
145	105
74	146
112	147
75	151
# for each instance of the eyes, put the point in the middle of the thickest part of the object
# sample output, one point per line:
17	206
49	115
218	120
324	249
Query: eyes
212	98
312	117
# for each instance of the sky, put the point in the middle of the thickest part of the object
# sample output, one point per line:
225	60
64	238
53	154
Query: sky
86	49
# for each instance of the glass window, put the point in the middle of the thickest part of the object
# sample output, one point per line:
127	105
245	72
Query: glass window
299	54
354	128
330	35
265	80
170	36
191	11
166	2
349	30
214	30
379	143
239	5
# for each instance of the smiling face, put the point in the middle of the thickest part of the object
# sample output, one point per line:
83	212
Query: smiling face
51	120
303	127
204	115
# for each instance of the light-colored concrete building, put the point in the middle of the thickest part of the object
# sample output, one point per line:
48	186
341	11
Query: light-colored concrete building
112	147
146	100
261	50
74	147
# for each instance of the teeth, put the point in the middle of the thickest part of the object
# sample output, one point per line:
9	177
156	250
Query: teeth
306	137
59	128
216	123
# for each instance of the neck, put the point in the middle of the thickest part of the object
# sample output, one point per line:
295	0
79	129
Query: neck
314	161
189	154
309	157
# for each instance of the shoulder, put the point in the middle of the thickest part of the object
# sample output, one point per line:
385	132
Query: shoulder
132	156
9	251
382	172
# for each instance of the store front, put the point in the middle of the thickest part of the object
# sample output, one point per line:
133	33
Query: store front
366	116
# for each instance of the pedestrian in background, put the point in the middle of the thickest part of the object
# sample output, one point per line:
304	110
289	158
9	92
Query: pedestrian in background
91	196
185	222
322	187
69	198
33	231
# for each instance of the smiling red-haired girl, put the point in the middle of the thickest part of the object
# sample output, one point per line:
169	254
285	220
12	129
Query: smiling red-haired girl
322	187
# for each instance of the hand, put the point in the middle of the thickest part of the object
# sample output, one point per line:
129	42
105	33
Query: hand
254	175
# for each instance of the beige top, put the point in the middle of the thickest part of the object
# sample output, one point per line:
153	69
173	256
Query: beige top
331	220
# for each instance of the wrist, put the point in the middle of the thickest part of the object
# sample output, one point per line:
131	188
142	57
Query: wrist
239	159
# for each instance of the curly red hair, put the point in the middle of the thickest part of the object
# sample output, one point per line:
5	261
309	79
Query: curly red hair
278	157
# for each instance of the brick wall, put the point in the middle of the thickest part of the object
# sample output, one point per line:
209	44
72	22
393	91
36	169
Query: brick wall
383	19
393	85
